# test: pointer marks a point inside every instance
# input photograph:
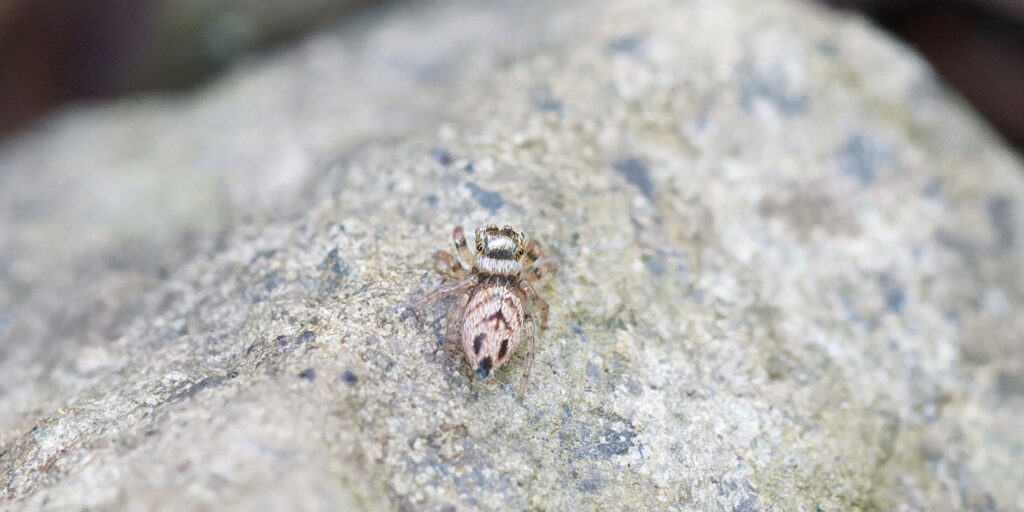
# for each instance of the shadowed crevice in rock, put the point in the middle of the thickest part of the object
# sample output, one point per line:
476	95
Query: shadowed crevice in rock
1002	215
636	173
769	84
491	201
860	157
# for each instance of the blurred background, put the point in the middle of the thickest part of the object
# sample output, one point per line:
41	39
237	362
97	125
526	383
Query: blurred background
58	51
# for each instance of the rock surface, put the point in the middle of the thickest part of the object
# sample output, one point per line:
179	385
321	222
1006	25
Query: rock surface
789	275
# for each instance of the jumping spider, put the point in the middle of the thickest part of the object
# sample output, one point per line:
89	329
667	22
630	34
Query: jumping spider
493	310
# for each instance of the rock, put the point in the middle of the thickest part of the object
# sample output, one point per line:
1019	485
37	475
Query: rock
788	281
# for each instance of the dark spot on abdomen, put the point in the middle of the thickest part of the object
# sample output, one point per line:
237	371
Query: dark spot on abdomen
504	349
484	369
478	342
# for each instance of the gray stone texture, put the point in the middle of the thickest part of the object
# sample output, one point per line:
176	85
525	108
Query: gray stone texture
790	273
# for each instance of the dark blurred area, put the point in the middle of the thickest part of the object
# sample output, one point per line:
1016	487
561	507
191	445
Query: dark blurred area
56	51
977	46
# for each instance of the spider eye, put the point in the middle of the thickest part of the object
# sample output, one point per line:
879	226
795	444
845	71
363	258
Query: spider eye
479	246
520	252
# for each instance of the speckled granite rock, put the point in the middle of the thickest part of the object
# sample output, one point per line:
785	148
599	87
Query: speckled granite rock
100	203
789	281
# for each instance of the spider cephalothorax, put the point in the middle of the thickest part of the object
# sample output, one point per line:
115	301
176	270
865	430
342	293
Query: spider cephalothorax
494	308
499	250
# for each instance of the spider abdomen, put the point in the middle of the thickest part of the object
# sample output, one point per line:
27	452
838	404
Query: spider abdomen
491	327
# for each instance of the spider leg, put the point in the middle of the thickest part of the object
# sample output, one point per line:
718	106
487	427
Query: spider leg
533	253
539	303
459	236
445	289
530	333
451	331
450	288
451	264
534	274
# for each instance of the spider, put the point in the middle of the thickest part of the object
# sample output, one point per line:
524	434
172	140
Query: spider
495	303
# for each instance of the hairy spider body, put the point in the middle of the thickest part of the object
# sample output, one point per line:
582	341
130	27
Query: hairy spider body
496	304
